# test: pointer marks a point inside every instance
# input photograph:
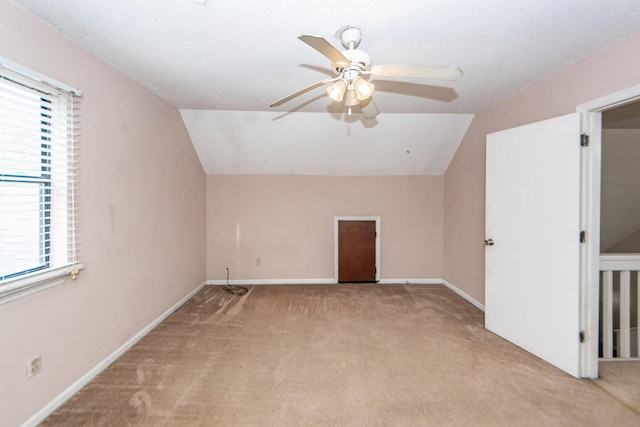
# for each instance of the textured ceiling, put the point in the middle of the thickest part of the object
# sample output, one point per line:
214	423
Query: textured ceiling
242	56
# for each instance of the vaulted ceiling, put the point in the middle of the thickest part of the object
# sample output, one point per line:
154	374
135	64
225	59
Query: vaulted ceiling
233	59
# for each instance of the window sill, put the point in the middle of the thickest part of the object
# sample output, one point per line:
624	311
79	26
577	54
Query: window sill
35	282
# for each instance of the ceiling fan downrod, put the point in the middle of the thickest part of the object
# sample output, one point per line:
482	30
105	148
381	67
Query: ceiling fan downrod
349	36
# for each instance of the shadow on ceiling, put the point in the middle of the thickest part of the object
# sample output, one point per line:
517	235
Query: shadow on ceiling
337	111
323	70
437	93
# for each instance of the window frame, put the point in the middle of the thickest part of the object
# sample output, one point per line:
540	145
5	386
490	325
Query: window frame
45	275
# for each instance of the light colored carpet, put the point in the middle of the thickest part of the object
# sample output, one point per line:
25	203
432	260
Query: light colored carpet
336	355
621	379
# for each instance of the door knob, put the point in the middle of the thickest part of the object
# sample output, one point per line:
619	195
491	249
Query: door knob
489	242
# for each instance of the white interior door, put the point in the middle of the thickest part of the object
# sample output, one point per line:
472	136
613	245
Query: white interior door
533	217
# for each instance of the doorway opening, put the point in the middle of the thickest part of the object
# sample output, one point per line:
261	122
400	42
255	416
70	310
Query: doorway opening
600	117
620	233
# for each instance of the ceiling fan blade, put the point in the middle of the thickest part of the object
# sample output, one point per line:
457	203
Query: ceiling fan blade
327	49
301	91
369	108
433	72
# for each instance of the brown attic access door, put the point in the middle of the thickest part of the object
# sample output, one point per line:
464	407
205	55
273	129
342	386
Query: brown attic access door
356	251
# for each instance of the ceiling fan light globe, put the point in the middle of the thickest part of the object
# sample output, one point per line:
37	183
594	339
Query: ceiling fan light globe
363	89
336	91
334	94
351	99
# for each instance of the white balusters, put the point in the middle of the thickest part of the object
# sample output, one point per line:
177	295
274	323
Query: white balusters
607	314
625	317
623	266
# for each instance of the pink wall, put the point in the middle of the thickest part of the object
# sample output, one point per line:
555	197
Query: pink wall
143	224
608	71
287	221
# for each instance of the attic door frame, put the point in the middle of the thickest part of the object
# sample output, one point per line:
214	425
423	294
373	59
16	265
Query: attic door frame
336	220
591	164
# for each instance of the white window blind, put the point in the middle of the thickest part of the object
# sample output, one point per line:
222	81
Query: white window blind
39	241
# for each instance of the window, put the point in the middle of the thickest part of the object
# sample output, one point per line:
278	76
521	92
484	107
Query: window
38	185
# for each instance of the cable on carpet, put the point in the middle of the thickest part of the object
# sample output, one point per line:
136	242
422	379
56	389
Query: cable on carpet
233	289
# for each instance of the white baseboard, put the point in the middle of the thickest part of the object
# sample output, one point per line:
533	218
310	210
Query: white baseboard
257	282
39	416
463	295
410	282
434	282
260	282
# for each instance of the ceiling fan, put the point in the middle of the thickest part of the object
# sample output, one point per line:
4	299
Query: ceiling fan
353	67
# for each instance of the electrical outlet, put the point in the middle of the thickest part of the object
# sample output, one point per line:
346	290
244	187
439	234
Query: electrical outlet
34	366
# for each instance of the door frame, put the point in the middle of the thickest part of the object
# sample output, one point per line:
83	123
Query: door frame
591	163
336	220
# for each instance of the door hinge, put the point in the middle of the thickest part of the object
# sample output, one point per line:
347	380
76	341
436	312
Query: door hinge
583	236
584	140
581	336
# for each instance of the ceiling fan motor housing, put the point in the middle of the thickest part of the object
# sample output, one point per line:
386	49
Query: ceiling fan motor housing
358	59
